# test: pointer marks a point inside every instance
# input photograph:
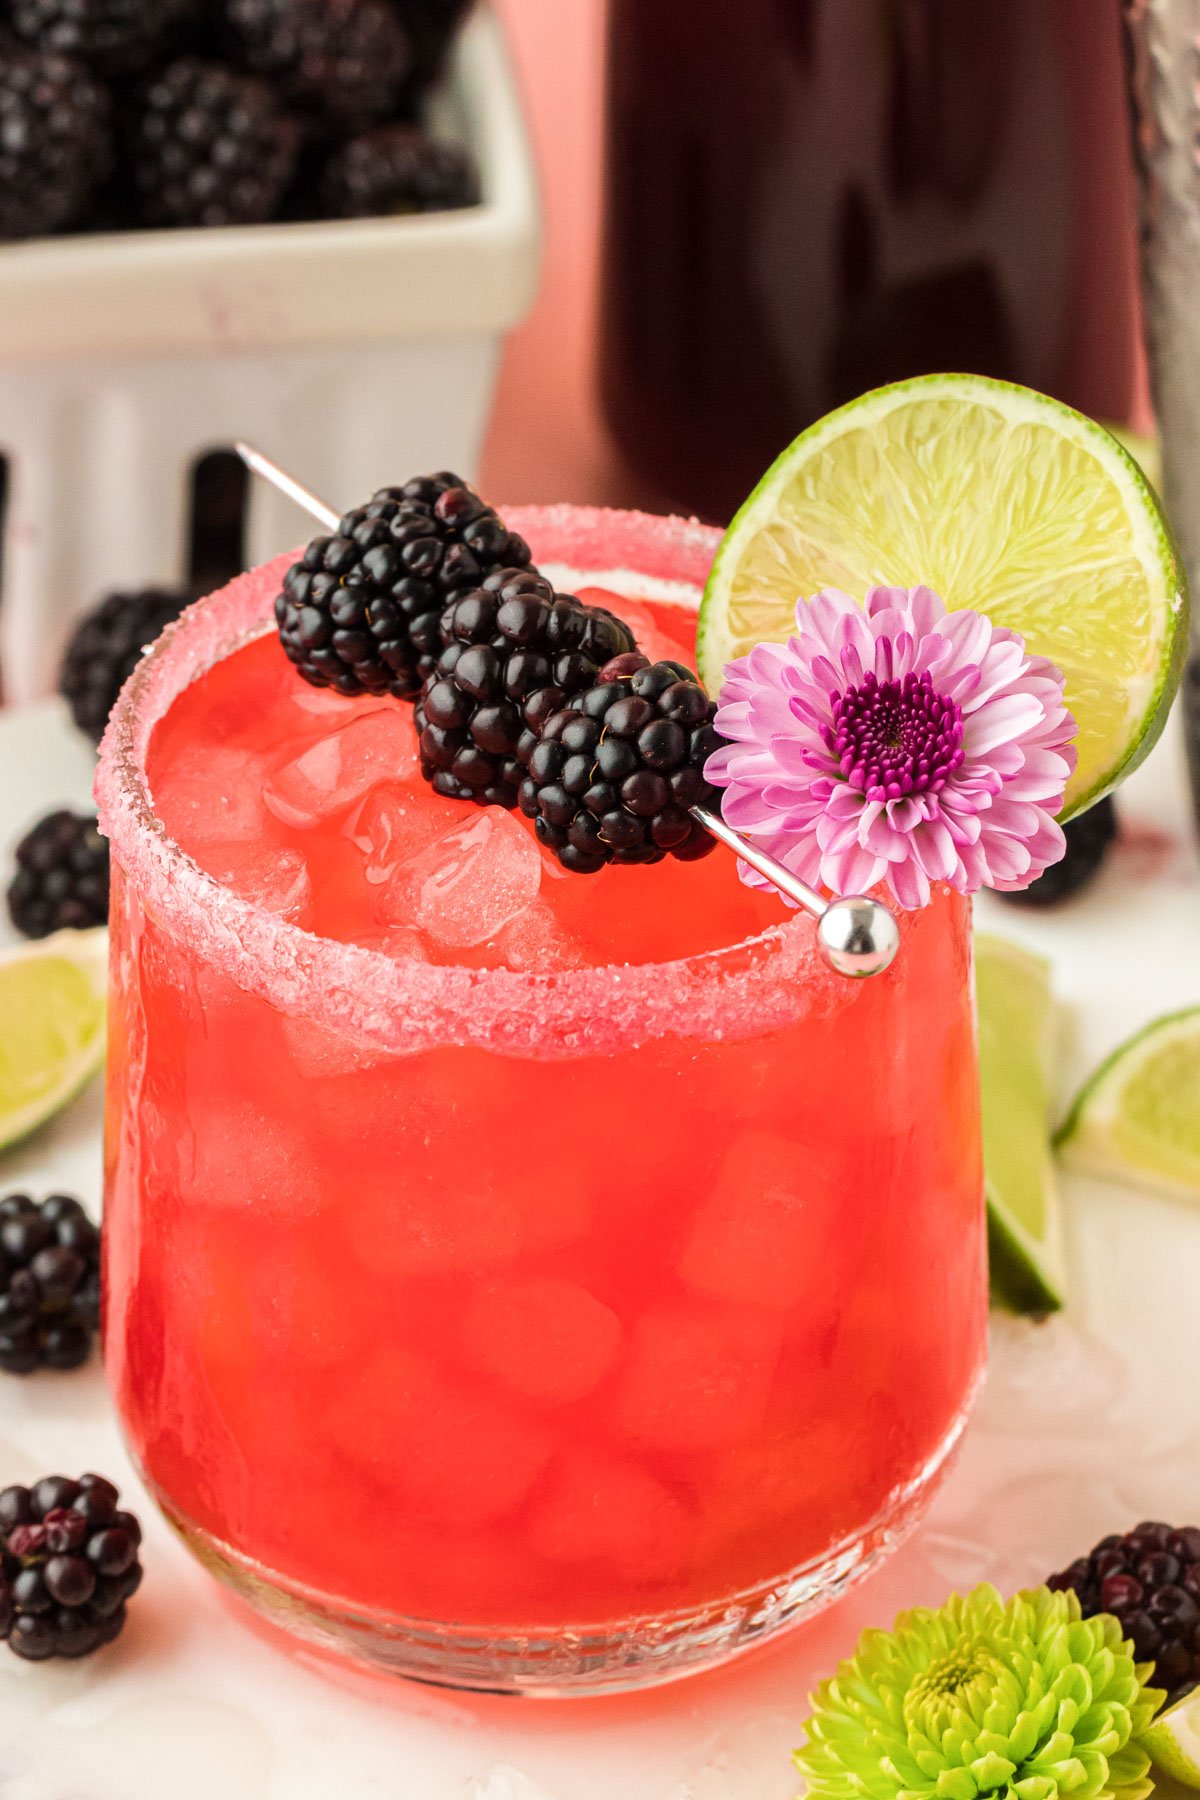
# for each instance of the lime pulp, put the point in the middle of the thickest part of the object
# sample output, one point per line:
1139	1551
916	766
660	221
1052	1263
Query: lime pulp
52	1025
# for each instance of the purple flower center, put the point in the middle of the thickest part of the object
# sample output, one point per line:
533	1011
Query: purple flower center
894	738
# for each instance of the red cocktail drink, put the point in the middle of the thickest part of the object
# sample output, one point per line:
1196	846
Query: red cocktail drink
517	1278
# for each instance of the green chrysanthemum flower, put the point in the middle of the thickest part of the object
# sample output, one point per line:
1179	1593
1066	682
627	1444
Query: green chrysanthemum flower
1018	1699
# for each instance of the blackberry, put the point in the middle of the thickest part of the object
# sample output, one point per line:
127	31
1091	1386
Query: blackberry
1149	1580
617	769
68	1565
105	648
49	1283
396	169
346	59
432	25
209	146
360	611
1089	838
113	36
61	881
514	653
55	140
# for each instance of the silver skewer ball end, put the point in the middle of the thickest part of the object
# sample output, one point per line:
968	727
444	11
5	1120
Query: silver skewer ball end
858	935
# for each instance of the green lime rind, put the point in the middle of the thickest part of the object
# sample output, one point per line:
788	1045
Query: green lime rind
1173	1741
1112	746
1019	1275
1137	1117
1145	452
1018	1023
52	1027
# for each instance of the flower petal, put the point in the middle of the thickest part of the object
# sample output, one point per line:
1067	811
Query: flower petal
961	735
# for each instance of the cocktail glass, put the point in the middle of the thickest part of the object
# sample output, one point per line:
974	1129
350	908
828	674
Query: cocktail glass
538	1310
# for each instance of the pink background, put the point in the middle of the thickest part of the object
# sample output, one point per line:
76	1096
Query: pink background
547	442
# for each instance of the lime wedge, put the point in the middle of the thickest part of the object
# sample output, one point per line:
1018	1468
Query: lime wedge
1138	1117
1173	1741
999	499
51	1026
1017	1022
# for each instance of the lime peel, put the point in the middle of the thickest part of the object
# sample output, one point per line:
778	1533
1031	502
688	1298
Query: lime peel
1018	1023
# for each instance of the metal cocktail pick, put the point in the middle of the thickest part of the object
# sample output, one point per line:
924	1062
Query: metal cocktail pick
857	935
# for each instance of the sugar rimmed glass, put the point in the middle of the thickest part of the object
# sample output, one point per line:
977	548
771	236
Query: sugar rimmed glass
537	1332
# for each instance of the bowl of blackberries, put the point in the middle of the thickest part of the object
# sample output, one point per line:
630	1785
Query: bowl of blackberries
128	115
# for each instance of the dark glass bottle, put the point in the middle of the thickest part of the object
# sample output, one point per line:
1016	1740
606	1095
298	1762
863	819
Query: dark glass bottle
806	198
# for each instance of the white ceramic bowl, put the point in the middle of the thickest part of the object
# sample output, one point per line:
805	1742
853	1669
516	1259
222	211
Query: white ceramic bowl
356	351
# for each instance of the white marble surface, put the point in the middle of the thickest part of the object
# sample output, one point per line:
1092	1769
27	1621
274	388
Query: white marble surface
1087	1424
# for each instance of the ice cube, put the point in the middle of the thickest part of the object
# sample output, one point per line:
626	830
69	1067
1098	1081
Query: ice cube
698	1378
596	1504
320	1054
450	1454
553	870
245	1158
762	1234
325	702
469	883
392	823
637	616
401	942
536	943
204	797
429	1230
308	1311
544	1338
330	776
275	879
674	646
786	1474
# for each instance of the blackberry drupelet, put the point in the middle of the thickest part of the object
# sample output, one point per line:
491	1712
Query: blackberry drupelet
61	881
105	648
1149	1579
397	169
514	653
346	59
616	770
49	1283
360	611
55	140
112	36
68	1566
1089	839
209	146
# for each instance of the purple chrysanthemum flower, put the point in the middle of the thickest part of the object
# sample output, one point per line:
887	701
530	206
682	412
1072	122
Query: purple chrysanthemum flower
896	742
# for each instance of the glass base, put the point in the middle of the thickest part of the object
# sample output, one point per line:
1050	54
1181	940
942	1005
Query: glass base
569	1660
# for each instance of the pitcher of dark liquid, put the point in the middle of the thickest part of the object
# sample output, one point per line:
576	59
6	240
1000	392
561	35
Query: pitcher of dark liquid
806	198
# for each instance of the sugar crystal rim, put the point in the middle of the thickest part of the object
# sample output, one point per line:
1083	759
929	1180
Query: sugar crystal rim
745	990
